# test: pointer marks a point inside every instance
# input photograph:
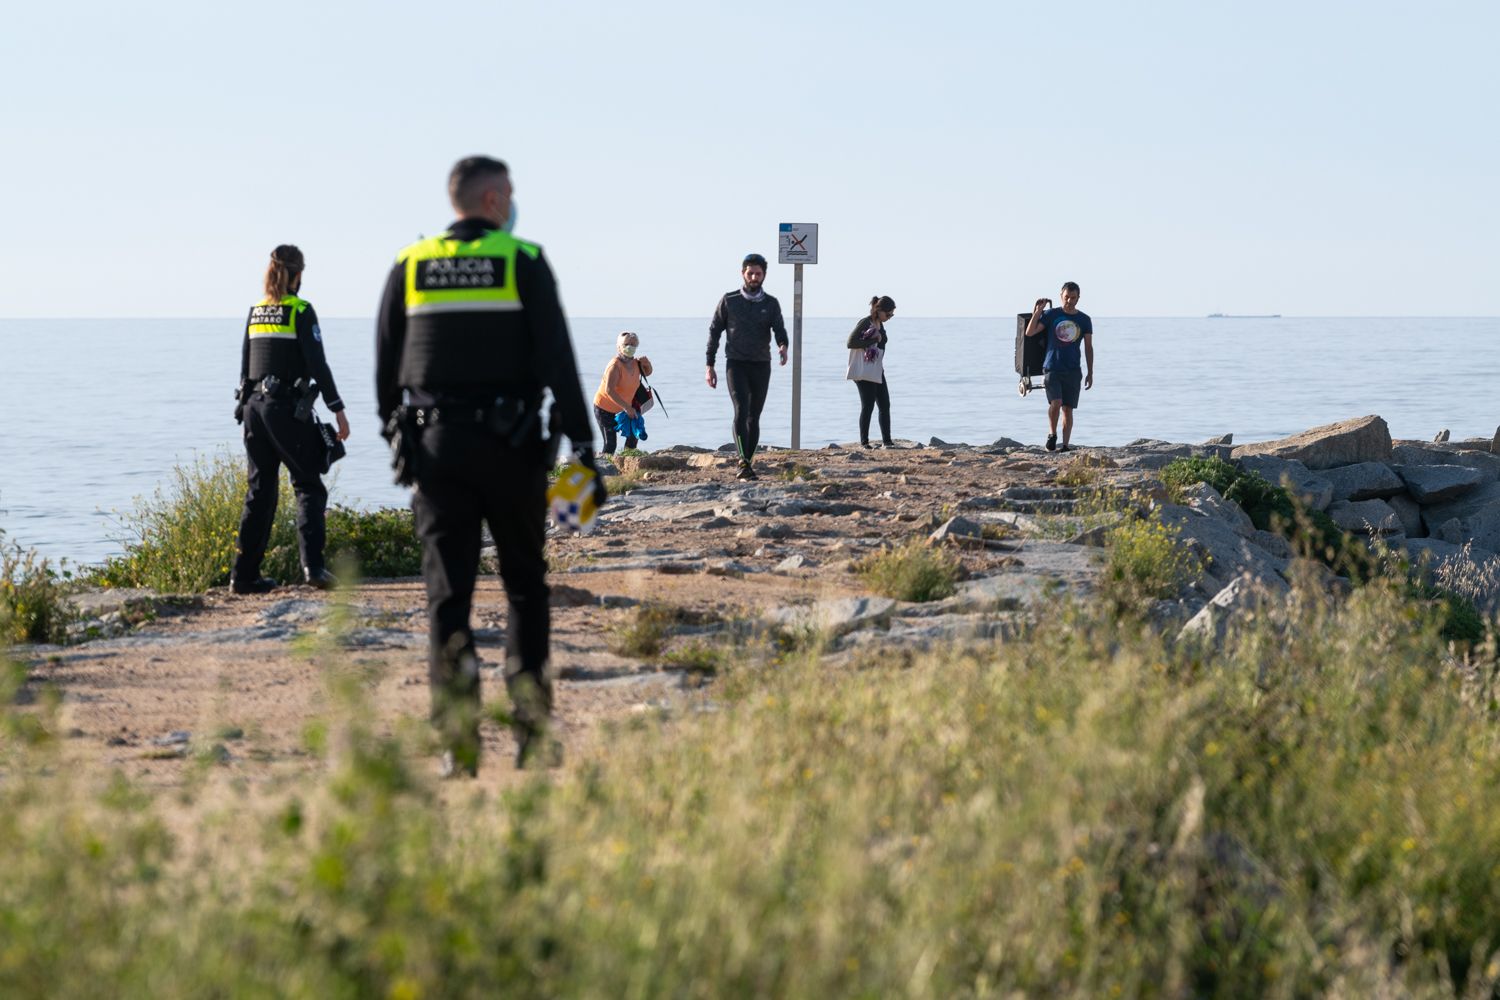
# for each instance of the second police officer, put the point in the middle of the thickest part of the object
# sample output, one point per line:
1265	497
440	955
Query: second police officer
282	368
469	334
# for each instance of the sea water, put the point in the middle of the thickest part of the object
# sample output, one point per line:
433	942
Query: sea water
94	413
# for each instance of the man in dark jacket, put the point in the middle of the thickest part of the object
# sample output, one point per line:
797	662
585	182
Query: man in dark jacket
747	317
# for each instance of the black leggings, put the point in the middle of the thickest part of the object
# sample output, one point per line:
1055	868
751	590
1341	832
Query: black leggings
748	383
606	421
870	394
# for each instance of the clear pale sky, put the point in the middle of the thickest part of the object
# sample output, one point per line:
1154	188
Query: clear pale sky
1175	158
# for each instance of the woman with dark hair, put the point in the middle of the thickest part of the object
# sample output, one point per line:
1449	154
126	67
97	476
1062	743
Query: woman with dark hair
867	368
282	369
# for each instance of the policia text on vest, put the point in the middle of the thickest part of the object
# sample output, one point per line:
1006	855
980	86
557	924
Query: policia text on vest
470	335
282	369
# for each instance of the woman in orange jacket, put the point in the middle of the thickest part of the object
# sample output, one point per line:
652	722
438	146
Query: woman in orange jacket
618	389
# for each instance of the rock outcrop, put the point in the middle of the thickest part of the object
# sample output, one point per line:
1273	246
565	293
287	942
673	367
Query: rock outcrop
1363	439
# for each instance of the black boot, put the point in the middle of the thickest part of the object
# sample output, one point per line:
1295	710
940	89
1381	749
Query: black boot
260	585
322	579
531	720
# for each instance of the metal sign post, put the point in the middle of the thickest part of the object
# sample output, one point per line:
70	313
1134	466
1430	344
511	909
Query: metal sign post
797	244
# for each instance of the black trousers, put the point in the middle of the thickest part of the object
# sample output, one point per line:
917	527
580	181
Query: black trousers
274	437
748	383
606	422
467	474
872	394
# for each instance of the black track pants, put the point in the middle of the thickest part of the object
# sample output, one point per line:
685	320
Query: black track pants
609	431
872	394
466	475
748	383
273	437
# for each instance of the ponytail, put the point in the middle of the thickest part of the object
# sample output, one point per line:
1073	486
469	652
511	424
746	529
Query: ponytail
284	272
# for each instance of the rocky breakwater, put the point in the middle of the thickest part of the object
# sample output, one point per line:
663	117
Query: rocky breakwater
1438	501
691	566
1026	530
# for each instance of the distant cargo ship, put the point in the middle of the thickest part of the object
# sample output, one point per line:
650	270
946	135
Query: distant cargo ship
1243	316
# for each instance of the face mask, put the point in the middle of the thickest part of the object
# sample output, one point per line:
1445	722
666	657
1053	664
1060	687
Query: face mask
628	350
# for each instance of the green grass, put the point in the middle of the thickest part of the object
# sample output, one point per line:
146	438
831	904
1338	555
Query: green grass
913	571
32	596
1181	473
182	538
624	482
1085	812
645	633
1083	469
697	657
1144	564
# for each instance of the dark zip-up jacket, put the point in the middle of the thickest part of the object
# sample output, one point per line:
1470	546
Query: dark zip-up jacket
747	327
538	350
290	360
860	339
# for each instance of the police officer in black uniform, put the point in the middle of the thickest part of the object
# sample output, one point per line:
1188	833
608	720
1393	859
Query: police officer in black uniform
282	369
470	332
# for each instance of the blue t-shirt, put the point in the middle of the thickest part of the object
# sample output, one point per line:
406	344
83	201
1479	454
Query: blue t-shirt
1065	335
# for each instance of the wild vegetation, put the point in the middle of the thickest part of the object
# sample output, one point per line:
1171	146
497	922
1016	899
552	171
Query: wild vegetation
1085	811
32	591
1087	808
1144	564
181	539
913	571
1313	534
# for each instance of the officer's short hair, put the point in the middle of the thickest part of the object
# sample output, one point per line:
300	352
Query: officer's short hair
468	173
753	258
1071	286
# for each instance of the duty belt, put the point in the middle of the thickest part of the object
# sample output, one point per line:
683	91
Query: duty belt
511	417
427	415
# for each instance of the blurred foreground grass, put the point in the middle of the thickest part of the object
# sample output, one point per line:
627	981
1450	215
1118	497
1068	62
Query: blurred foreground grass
1085	811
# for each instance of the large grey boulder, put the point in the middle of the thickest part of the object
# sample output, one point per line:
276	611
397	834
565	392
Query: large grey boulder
1232	606
1365	517
1149	454
1437	483
1207	500
1226	553
956	528
1467	569
1429	552
1408	453
1472	504
1364	481
1410	513
1363	439
837	616
1149	461
1473	517
1311	489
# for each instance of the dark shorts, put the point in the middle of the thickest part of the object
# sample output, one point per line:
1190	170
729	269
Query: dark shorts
1064	385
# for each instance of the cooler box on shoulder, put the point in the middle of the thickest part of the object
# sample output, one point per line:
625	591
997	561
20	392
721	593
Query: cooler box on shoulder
1030	353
